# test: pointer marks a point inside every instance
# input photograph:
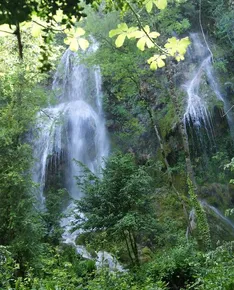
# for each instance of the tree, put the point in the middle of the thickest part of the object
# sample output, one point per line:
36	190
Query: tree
14	13
121	203
20	225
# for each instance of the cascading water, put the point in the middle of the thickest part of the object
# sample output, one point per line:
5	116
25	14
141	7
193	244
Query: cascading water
218	214
74	129
197	113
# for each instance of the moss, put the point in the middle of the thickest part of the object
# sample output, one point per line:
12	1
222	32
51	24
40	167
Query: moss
217	195
146	255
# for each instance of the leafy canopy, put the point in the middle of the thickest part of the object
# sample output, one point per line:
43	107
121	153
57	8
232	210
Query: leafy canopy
146	38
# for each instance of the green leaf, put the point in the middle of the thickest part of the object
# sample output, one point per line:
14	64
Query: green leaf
161	4
123	31
83	43
149	6
123	26
141	44
153	65
79	32
120	40
114	32
156	61
36	30
161	63
145	36
59	15
177	48
74	44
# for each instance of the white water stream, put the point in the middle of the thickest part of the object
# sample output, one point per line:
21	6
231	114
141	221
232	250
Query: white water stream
197	112
218	214
74	129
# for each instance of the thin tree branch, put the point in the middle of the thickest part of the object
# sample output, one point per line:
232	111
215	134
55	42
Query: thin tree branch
7	32
228	111
54	29
47	115
143	29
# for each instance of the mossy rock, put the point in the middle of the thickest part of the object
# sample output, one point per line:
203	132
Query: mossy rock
216	194
81	240
92	252
146	255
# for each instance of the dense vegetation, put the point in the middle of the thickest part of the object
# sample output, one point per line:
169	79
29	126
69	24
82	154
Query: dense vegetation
151	206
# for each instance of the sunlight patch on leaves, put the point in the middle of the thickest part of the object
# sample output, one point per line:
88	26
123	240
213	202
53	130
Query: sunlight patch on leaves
160	4
177	47
123	32
74	39
156	61
145	39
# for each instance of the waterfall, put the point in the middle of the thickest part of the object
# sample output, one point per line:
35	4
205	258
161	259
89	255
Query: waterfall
197	113
73	129
218	214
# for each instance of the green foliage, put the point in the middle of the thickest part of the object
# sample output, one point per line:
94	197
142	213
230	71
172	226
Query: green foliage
116	281
121	202
174	19
7	268
176	266
202	224
21	97
217	272
54	204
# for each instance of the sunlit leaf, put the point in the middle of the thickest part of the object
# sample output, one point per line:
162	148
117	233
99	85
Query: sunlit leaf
149	6
141	44
160	4
74	39
83	43
120	40
79	32
153	65
177	48
114	32
74	45
122	31
36	30
156	61
145	37
67	41
59	16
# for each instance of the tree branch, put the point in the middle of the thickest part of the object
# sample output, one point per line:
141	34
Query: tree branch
143	29
54	29
7	32
228	111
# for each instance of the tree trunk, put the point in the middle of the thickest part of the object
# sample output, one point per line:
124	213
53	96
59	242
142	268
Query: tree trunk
128	248
163	152
20	45
134	248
